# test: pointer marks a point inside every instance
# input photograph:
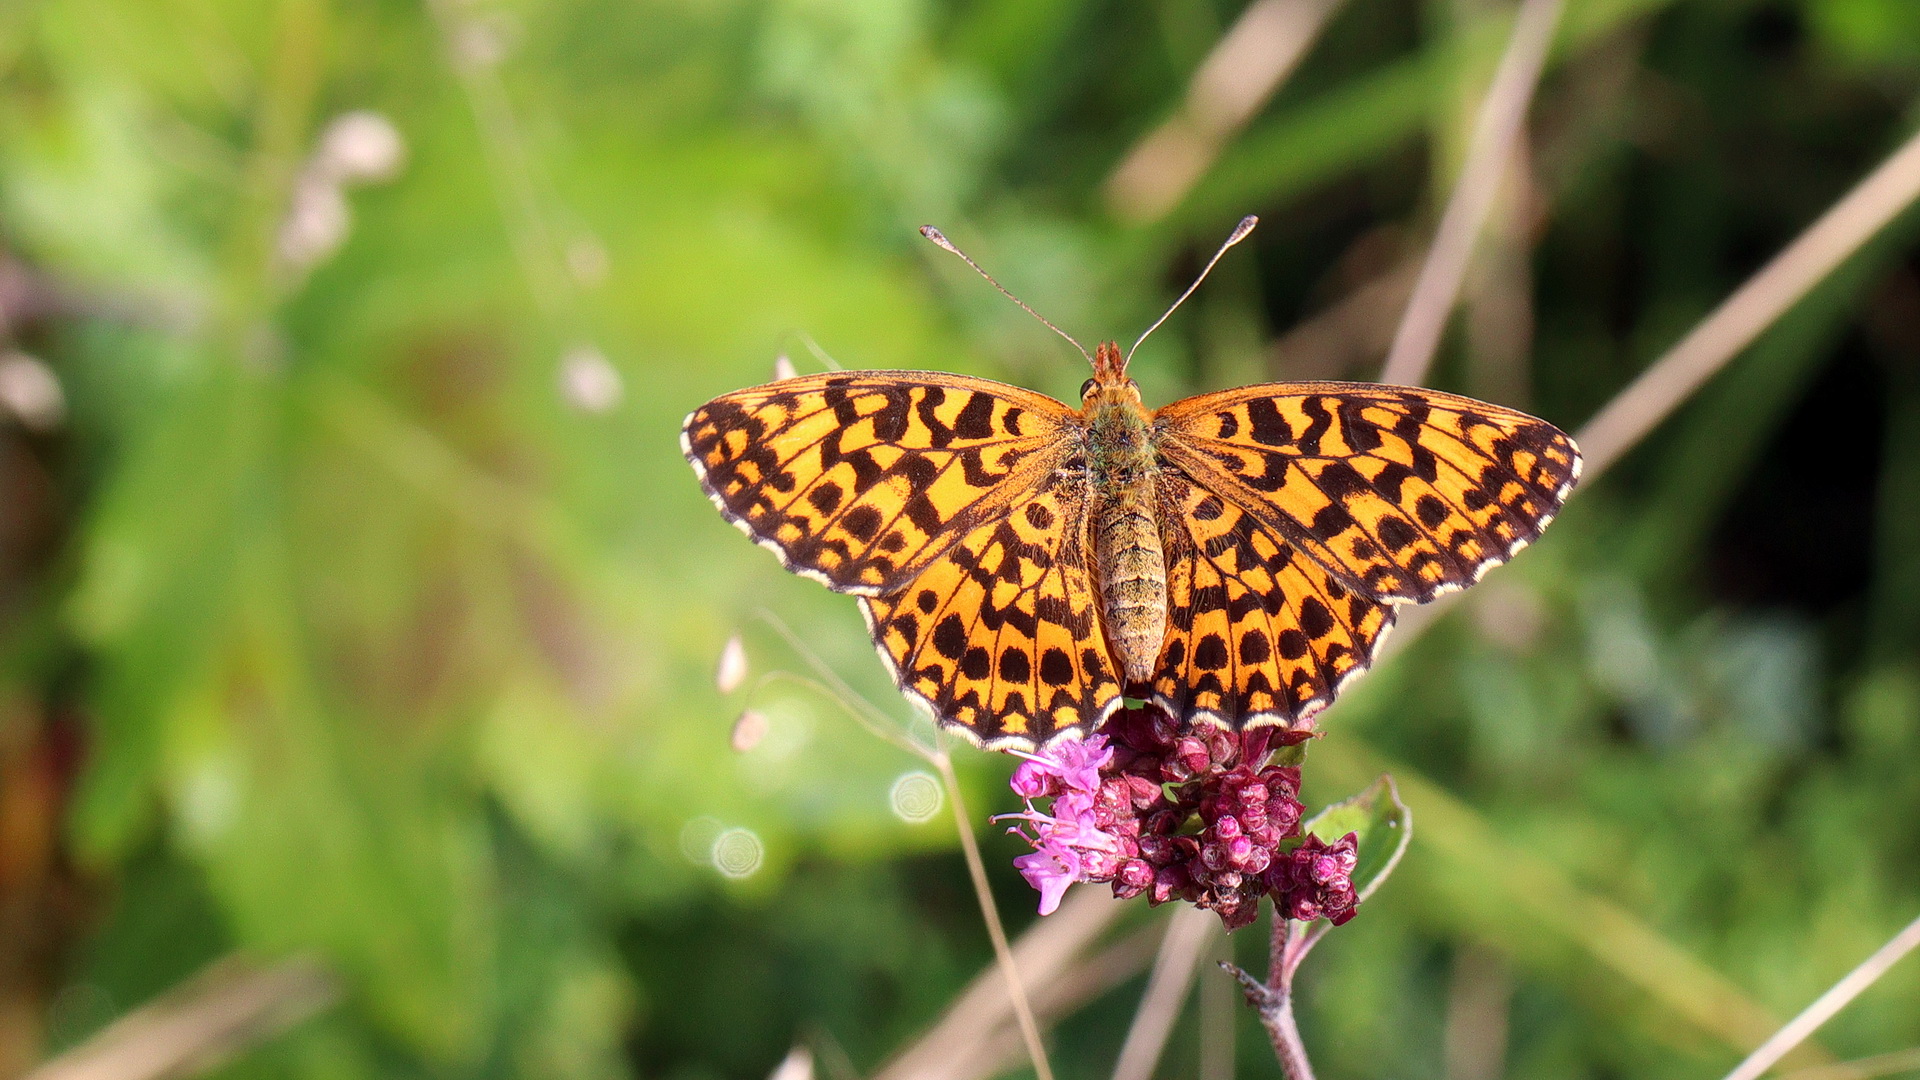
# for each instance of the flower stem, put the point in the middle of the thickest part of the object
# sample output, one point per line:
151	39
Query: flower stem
1016	990
1273	999
1286	1041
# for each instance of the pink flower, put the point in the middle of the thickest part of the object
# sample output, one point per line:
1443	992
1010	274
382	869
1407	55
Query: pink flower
1050	869
1072	764
1069	842
1195	815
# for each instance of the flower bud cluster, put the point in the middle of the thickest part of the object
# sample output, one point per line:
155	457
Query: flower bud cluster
1315	880
1193	815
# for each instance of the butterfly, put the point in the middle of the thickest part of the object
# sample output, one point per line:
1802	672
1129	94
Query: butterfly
1025	566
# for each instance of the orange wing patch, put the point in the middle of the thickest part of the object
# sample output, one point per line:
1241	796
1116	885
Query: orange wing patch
861	480
1404	492
1000	638
1257	634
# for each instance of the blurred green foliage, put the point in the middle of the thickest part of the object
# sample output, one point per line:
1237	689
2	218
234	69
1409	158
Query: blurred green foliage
360	603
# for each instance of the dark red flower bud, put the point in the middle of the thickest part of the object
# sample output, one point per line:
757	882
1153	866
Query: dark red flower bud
1169	883
1142	791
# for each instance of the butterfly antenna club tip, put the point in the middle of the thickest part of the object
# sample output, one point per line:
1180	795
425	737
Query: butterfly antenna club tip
940	238
1238	234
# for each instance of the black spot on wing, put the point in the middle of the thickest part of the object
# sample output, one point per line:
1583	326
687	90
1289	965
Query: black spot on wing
1056	668
950	637
1397	534
1014	665
976	417
1210	653
825	497
862	521
1330	521
1269	426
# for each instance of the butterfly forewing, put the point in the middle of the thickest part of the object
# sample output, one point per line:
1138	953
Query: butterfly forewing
1257	632
999	637
1292	516
1405	493
862	479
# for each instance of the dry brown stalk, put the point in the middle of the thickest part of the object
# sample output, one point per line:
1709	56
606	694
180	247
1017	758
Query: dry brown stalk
233	1004
1042	953
1190	931
1013	982
1499	290
1220	1007
1800	1028
996	1049
1338	341
1073	990
1842	230
1503	113
1239	76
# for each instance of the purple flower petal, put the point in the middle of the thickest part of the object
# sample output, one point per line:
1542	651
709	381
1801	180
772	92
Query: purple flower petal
1050	870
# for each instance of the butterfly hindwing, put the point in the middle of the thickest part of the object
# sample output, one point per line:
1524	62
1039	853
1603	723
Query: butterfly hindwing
1293	518
1257	633
999	637
1405	492
861	480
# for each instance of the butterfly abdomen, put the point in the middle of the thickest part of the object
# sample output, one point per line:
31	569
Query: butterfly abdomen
1131	565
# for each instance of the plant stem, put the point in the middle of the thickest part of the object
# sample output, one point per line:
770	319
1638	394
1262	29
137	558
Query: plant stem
1497	130
1016	990
1286	1041
1829	1003
1273	999
1840	232
1188	933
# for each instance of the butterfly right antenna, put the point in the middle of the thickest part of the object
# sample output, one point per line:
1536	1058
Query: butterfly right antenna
1240	232
940	238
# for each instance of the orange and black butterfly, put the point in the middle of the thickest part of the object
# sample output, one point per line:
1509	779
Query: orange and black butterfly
1235	557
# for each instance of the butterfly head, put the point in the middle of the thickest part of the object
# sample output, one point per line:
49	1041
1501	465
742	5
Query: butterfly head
1110	384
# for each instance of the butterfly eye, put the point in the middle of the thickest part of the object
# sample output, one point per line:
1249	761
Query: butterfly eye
1085	387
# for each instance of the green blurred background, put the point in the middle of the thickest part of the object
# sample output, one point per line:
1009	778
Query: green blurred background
355	602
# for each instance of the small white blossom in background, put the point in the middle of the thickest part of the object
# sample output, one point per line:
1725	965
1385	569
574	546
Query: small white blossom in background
588	381
783	368
31	392
483	41
748	730
316	224
797	1065
359	147
732	670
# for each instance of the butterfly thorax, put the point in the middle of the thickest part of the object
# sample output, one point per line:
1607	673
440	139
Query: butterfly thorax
1123	474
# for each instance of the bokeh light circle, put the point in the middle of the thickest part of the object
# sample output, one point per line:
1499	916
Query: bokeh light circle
738	852
916	797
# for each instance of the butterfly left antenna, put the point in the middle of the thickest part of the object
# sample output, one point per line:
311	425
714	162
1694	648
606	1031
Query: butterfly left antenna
1240	232
940	238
